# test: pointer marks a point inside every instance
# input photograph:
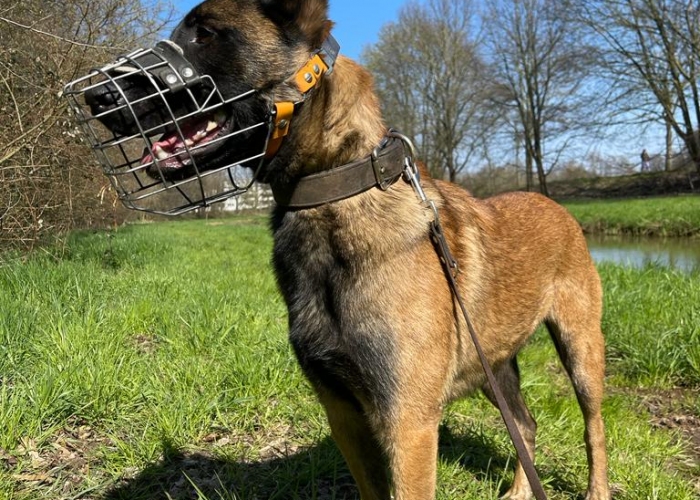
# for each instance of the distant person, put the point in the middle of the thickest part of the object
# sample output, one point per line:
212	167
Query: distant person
646	166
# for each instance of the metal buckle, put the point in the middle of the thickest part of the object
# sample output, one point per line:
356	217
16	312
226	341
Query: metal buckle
329	52
379	170
412	176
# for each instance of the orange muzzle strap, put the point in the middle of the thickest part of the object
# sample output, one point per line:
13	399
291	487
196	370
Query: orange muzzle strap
306	79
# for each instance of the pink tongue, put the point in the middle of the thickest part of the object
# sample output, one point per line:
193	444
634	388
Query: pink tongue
169	142
174	141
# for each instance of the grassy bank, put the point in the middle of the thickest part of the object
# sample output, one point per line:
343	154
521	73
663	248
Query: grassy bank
152	363
668	216
652	320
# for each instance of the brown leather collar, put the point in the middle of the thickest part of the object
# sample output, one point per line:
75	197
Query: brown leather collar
380	169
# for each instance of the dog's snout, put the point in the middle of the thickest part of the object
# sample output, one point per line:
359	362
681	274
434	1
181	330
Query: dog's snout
103	97
121	103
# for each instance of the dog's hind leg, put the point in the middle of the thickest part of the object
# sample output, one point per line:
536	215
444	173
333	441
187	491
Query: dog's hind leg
508	377
579	342
360	448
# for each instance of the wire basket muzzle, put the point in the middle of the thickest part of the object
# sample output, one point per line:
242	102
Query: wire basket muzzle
164	135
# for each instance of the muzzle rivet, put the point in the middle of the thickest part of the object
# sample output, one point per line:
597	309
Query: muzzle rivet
187	72
308	77
317	69
282	124
171	78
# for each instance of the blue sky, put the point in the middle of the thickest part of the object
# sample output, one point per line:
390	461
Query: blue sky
357	22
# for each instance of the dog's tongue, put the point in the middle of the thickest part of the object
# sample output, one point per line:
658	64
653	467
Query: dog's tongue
171	151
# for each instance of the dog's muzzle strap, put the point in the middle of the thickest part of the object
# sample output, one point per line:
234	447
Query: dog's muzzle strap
305	80
165	62
178	73
284	112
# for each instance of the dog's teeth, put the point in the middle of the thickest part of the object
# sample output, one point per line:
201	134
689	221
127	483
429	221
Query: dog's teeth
189	142
211	126
160	152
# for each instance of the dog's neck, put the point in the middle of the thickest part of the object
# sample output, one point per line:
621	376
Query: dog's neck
338	123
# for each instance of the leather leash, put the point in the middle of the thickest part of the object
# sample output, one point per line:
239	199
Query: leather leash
449	263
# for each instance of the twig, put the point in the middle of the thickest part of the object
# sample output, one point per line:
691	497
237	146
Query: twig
14	101
10	153
66	40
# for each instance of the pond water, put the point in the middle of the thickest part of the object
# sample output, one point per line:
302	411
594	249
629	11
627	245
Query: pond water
677	253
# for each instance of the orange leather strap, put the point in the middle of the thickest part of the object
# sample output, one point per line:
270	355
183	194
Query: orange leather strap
309	76
284	111
305	80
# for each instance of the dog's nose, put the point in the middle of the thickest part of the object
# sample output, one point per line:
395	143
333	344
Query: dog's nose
103	98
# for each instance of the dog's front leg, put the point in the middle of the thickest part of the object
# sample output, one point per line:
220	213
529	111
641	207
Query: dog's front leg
413	455
360	447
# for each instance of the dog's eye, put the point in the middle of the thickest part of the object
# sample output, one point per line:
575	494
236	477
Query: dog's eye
204	35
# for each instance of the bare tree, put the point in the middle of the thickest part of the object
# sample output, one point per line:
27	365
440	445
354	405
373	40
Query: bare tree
432	82
653	55
48	182
543	71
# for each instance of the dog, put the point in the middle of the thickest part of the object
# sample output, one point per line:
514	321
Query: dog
372	320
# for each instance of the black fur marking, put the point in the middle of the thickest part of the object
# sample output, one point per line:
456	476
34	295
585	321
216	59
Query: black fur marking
280	11
357	369
341	346
285	14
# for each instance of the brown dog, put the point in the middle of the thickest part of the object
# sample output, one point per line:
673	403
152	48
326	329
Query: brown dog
372	319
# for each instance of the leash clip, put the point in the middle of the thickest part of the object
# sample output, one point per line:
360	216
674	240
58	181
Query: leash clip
412	176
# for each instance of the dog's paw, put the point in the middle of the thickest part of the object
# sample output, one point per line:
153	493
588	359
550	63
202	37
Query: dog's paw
518	492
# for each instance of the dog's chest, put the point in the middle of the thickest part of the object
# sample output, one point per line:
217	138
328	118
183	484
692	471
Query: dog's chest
319	275
319	260
342	342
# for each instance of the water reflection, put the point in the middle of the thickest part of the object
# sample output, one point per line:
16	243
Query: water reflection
678	253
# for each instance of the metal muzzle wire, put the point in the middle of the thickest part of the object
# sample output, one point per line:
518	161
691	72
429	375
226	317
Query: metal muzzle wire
126	143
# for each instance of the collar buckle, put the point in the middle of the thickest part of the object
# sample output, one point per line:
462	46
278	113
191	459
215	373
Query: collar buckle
380	170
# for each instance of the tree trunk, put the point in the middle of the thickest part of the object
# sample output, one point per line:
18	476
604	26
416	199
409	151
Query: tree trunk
693	147
542	178
669	147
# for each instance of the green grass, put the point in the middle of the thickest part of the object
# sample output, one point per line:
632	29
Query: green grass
652	321
152	362
666	216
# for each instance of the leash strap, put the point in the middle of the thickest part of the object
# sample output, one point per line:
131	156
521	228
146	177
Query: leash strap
451	269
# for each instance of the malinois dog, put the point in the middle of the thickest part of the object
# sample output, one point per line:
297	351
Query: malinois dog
372	320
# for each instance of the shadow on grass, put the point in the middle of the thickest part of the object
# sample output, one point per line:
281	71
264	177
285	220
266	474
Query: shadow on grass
316	473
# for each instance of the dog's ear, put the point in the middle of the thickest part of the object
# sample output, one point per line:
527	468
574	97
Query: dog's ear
308	18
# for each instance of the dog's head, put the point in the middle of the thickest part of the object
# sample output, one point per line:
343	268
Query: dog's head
204	101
